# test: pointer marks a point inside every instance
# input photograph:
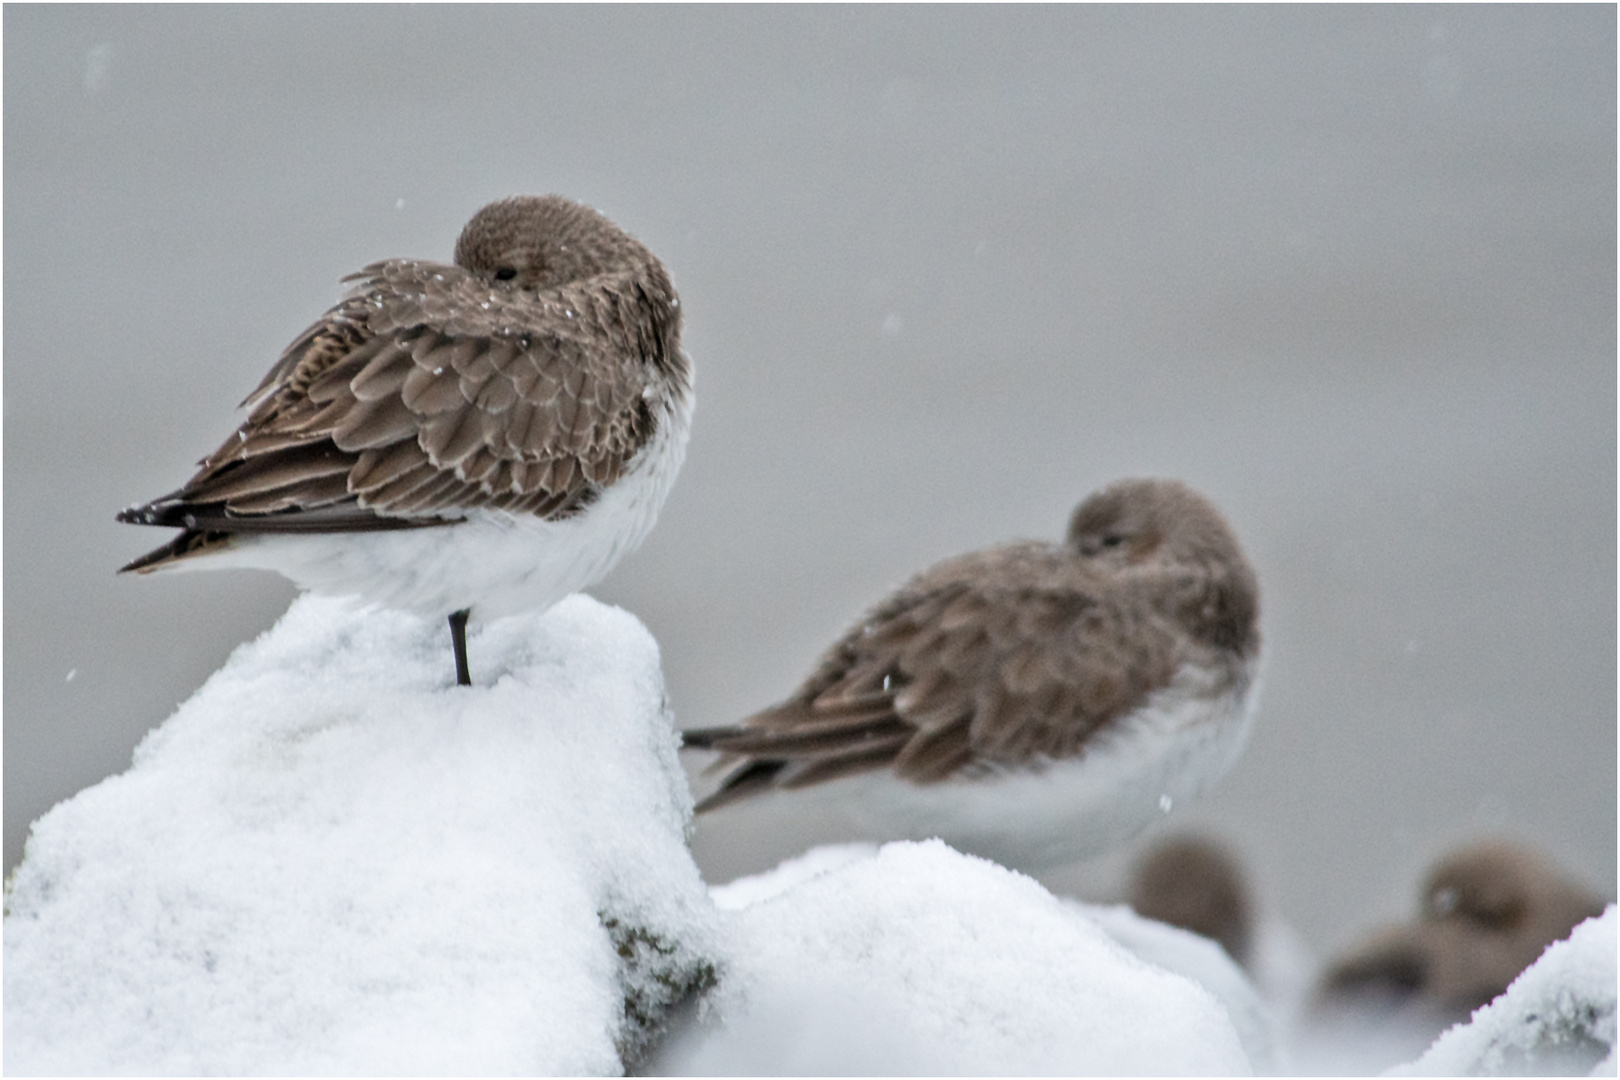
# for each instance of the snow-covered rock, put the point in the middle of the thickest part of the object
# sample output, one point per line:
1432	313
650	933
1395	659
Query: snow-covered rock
1558	1016
913	958
333	860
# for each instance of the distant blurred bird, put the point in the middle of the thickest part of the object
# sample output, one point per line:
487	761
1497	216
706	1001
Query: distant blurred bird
1196	884
1488	912
482	437
1032	703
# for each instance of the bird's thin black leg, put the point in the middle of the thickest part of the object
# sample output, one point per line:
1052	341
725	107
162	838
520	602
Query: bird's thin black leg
458	638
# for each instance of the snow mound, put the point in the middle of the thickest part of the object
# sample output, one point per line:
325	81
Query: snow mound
332	860
1558	1016
913	958
1205	963
747	891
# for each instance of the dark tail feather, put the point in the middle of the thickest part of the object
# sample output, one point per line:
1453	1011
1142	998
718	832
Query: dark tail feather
705	738
216	519
170	510
752	779
748	778
187	544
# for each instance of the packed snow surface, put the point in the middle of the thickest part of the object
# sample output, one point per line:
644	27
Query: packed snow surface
1202	961
1556	1018
333	860
914	958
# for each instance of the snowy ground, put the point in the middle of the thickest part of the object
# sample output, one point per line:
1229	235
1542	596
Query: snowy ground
919	959
332	860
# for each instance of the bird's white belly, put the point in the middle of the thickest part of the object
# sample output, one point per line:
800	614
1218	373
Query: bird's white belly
1185	737
494	562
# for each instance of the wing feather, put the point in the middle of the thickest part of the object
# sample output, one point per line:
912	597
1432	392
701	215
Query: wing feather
384	374
432	393
368	425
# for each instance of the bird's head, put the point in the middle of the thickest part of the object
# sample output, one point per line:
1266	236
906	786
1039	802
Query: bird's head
1165	530
1132	522
537	242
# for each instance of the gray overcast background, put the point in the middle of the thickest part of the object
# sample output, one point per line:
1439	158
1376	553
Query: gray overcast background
1350	271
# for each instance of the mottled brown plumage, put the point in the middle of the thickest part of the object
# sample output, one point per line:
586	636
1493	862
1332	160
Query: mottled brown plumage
432	389
1016	656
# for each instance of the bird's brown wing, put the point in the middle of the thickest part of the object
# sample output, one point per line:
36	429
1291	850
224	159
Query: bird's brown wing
1004	657
428	392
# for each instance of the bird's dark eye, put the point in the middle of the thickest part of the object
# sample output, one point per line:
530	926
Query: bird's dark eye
505	273
1112	540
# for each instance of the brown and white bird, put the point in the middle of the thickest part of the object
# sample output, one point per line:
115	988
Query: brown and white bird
1488	911
478	437
1033	703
